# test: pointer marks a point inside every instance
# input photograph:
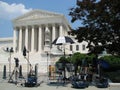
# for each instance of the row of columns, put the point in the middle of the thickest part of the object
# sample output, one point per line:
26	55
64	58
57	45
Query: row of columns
29	40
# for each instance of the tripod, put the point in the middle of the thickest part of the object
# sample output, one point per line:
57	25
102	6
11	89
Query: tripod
15	72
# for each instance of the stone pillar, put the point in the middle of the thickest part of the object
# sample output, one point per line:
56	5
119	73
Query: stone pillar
20	39
26	37
32	39
53	33
40	39
14	40
61	30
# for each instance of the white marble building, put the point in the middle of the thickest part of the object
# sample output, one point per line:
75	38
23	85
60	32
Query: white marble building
36	30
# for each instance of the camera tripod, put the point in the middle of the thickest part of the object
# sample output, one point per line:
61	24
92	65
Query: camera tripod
15	72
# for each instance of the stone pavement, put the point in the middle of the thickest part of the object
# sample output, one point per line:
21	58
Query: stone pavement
4	85
44	86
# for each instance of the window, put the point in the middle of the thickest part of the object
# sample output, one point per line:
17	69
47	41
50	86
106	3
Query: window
70	47
77	47
83	47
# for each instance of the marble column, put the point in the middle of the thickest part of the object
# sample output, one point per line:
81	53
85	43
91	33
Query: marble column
61	30
14	39
53	33
46	35
26	37
32	39
40	39
20	39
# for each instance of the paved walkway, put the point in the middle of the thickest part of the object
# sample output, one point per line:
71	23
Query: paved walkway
4	85
7	86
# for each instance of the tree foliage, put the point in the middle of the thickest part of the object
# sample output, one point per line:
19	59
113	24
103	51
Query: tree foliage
101	24
77	58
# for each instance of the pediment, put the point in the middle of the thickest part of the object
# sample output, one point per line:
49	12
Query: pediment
37	14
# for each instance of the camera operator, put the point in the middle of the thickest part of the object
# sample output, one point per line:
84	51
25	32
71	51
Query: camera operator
16	62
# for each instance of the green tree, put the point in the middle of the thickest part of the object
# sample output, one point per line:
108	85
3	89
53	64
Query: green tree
101	24
61	62
76	59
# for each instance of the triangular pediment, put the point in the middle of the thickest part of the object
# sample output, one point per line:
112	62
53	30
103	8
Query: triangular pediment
37	14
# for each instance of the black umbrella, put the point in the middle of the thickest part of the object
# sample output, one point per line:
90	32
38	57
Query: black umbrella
62	40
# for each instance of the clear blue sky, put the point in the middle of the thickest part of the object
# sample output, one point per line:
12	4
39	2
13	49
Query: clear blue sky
10	9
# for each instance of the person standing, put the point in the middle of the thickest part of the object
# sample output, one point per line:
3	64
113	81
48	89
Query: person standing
84	67
94	64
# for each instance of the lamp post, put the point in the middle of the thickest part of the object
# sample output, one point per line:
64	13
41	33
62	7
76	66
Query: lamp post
47	53
25	51
47	63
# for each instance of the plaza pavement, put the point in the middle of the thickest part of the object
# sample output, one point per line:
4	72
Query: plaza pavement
44	86
4	85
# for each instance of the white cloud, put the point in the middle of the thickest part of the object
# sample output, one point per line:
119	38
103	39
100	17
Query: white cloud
10	11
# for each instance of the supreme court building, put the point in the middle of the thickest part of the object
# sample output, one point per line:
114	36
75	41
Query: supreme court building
37	29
